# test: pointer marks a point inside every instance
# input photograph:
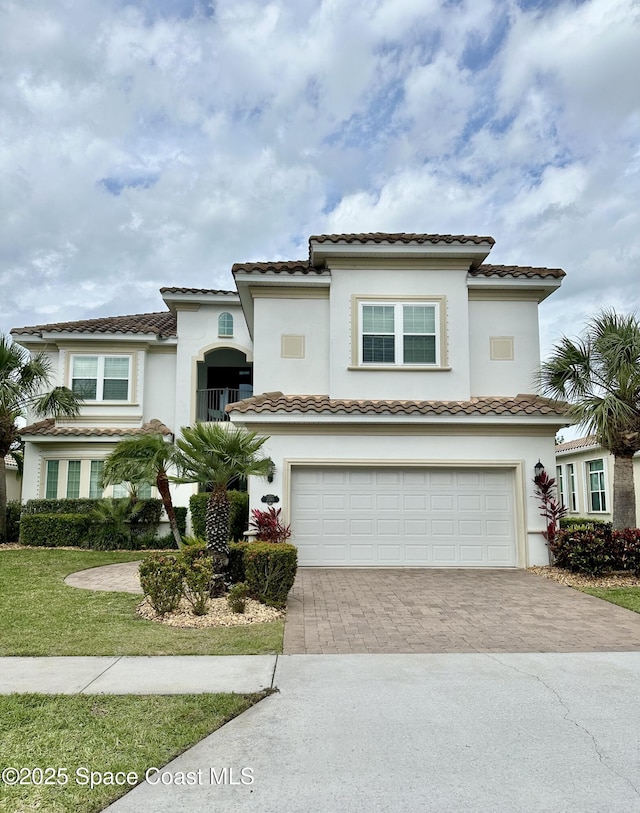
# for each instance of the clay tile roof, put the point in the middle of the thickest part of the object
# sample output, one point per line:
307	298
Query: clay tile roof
48	427
196	291
401	237
278	267
526	271
276	402
578	443
161	324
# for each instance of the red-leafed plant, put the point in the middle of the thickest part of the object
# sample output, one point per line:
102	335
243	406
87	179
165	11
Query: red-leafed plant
550	509
268	526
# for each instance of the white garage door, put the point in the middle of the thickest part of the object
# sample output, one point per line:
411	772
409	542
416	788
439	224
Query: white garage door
414	517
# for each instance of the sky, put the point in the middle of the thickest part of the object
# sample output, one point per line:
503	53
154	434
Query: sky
156	142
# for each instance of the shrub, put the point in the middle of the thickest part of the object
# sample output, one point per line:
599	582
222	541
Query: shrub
161	581
237	597
14	509
181	519
57	530
573	522
79	506
597	549
268	526
145	516
112	524
235	568
270	570
197	568
238	513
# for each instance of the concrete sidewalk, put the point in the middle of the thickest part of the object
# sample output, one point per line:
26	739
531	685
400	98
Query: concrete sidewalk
461	733
187	674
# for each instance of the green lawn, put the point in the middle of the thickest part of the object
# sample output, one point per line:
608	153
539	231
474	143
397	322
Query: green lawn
100	733
628	597
43	616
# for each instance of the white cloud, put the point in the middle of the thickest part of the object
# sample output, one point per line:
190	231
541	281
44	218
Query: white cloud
142	147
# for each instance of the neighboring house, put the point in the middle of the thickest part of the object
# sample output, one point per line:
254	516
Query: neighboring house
584	478
392	375
14	481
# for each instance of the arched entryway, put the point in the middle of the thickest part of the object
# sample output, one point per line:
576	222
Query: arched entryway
224	376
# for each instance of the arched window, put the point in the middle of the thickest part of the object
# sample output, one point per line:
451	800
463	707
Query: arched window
225	324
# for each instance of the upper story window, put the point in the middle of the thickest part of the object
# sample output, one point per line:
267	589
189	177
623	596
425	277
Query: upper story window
225	324
596	485
101	377
399	333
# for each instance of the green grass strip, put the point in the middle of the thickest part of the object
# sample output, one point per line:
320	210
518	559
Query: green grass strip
43	616
101	733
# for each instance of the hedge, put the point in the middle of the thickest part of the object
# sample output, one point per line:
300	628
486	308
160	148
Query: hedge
576	522
238	515
597	549
79	506
13	520
56	530
181	518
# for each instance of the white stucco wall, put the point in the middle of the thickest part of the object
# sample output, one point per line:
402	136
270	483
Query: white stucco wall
160	386
396	283
14	484
275	318
518	320
198	334
376	447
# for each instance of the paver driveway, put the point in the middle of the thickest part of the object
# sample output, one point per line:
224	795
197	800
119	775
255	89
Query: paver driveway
342	611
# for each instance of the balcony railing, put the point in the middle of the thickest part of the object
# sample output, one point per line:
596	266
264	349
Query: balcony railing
211	403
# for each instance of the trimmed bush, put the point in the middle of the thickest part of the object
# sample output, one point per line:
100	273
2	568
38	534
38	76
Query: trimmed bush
57	530
238	513
80	506
580	522
146	516
235	568
181	518
197	568
161	580
14	509
270	570
597	549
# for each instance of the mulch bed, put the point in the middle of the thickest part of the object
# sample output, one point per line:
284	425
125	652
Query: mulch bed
218	614
557	574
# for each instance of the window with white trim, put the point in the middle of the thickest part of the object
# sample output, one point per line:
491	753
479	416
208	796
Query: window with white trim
571	487
73	479
101	377
51	482
560	485
143	490
399	334
225	324
95	479
596	485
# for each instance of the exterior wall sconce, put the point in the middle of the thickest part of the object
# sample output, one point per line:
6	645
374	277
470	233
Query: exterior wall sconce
271	472
538	468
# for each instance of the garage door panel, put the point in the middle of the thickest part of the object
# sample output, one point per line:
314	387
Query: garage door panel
395	517
440	502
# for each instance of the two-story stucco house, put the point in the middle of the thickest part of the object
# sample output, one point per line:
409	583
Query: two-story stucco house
584	478
392	374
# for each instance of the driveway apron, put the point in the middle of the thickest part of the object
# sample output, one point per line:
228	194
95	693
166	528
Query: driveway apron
402	611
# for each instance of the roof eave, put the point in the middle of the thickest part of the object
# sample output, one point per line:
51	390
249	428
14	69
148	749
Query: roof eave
475	253
543	287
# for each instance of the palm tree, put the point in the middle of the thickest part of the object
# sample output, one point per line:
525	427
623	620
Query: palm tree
599	374
215	454
24	391
146	459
